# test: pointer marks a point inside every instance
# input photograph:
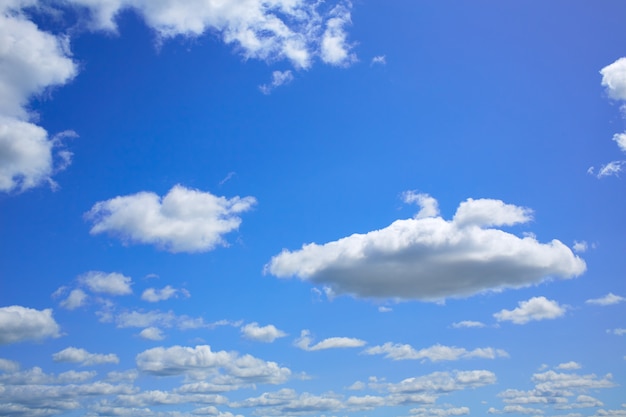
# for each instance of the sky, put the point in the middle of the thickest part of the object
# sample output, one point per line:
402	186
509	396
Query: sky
312	208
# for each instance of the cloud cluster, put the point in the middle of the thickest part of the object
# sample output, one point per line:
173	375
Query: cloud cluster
32	61
537	308
18	324
184	220
435	353
201	362
429	258
96	282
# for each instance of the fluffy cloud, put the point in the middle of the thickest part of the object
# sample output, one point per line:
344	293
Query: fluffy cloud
262	29
154	295
76	298
75	355
201	362
435	353
32	61
19	324
112	283
569	366
614	79
443	382
431	258
184	220
537	308
265	334
607	300
288	402
305	340
151	333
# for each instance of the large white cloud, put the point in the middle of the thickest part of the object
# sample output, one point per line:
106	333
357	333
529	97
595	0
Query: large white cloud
184	220
32	61
429	258
297	30
537	308
201	362
19	323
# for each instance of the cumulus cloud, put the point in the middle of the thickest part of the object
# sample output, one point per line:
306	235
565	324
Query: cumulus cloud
184	220
535	309
258	333
200	362
435	353
580	247
607	300
569	366
278	78
443	382
429	207
305	340
112	283
84	358
18	324
614	79
431	258
154	295
32	61
439	412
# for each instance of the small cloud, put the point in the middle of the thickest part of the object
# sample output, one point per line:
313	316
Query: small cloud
18	324
535	309
435	353
227	178
112	283
620	139
617	332
569	366
580	247
611	169
380	60
427	204
84	358
77	298
607	300
154	295
152	333
467	324
305	340
266	334
383	309
278	78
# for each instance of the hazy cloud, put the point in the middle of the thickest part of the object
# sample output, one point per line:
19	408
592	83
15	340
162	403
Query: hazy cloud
435	353
431	258
467	324
278	78
184	220
18	324
537	308
154	295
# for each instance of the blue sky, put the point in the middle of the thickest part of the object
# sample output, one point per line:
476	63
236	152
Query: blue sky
301	208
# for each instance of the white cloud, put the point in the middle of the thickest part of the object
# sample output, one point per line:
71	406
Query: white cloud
18	324
265	334
286	402
435	353
580	247
611	169
620	139
617	332
268	30
32	61
76	298
427	204
305	340
467	324
112	283
379	59
614	79
151	333
7	365
154	295
201	362
384	309
75	355
569	366
335	49
537	308
439	412
184	220
443	382
432	258
278	78
607	300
